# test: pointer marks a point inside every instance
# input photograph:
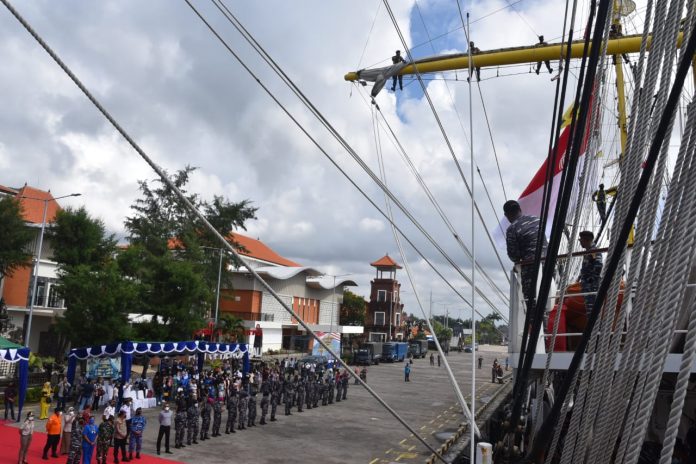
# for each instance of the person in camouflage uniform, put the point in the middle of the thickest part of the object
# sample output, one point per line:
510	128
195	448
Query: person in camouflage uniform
316	387
339	386
217	416
106	433
324	389
192	422
521	239
206	411
300	395
231	409
289	393
344	384
75	452
309	385
180	420
591	269
242	408
251	418
265	399
330	390
275	397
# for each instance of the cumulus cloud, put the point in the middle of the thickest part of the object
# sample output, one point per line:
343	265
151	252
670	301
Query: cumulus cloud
187	101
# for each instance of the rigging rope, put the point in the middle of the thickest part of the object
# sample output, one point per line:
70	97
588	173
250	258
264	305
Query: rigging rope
309	105
404	155
165	179
439	123
383	174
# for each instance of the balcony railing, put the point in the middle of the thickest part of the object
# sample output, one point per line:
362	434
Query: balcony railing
249	316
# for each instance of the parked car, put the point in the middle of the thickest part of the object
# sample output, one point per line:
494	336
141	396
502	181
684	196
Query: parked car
468	349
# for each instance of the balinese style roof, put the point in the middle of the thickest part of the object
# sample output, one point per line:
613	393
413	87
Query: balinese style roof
385	261
261	251
326	282
284	273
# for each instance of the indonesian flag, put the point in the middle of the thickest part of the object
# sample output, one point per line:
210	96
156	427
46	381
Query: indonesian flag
532	198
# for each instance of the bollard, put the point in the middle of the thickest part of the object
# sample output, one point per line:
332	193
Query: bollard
484	453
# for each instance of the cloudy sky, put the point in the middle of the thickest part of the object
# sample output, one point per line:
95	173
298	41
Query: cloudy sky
185	100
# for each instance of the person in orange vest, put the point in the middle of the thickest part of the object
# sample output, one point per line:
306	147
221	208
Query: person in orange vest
53	429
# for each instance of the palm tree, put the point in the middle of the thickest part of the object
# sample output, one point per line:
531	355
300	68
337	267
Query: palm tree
230	328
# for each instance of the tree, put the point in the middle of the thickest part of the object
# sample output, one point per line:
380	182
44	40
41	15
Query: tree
97	296
168	256
98	302
353	309
80	239
15	237
231	328
443	334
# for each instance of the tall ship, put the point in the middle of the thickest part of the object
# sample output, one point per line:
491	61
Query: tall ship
603	371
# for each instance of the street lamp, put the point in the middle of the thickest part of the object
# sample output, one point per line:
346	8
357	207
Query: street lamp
217	293
32	300
333	303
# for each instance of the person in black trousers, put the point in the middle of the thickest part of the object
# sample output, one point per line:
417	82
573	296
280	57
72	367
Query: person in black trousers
165	421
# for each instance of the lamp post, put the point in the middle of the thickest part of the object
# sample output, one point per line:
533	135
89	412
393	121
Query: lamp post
32	300
219	278
333	303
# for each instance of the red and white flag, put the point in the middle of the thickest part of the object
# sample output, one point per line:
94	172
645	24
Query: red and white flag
531	199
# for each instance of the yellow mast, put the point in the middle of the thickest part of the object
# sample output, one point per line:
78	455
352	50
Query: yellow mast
621	93
506	56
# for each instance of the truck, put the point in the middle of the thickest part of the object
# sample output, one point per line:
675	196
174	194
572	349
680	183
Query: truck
369	353
394	351
418	348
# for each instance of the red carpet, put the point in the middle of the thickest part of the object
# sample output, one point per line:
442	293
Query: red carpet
9	448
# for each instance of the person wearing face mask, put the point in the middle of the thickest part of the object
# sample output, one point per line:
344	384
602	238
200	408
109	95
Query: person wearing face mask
75	452
68	419
53	427
137	428
106	433
165	422
25	433
89	440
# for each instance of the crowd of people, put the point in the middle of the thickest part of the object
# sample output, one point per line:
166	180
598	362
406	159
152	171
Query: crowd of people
192	404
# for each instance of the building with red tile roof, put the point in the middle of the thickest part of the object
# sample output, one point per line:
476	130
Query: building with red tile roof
15	289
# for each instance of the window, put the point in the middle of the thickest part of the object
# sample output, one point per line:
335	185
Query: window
54	299
397	319
40	299
379	317
381	295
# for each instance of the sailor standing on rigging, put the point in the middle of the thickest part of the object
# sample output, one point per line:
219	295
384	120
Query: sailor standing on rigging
591	269
547	62
521	240
396	59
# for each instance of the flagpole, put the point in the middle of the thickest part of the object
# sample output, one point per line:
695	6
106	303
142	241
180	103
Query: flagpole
472	428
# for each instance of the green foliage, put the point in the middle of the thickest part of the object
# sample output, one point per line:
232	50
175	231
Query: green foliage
231	328
15	237
80	239
98	301
168	258
443	334
39	363
353	309
97	296
33	395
